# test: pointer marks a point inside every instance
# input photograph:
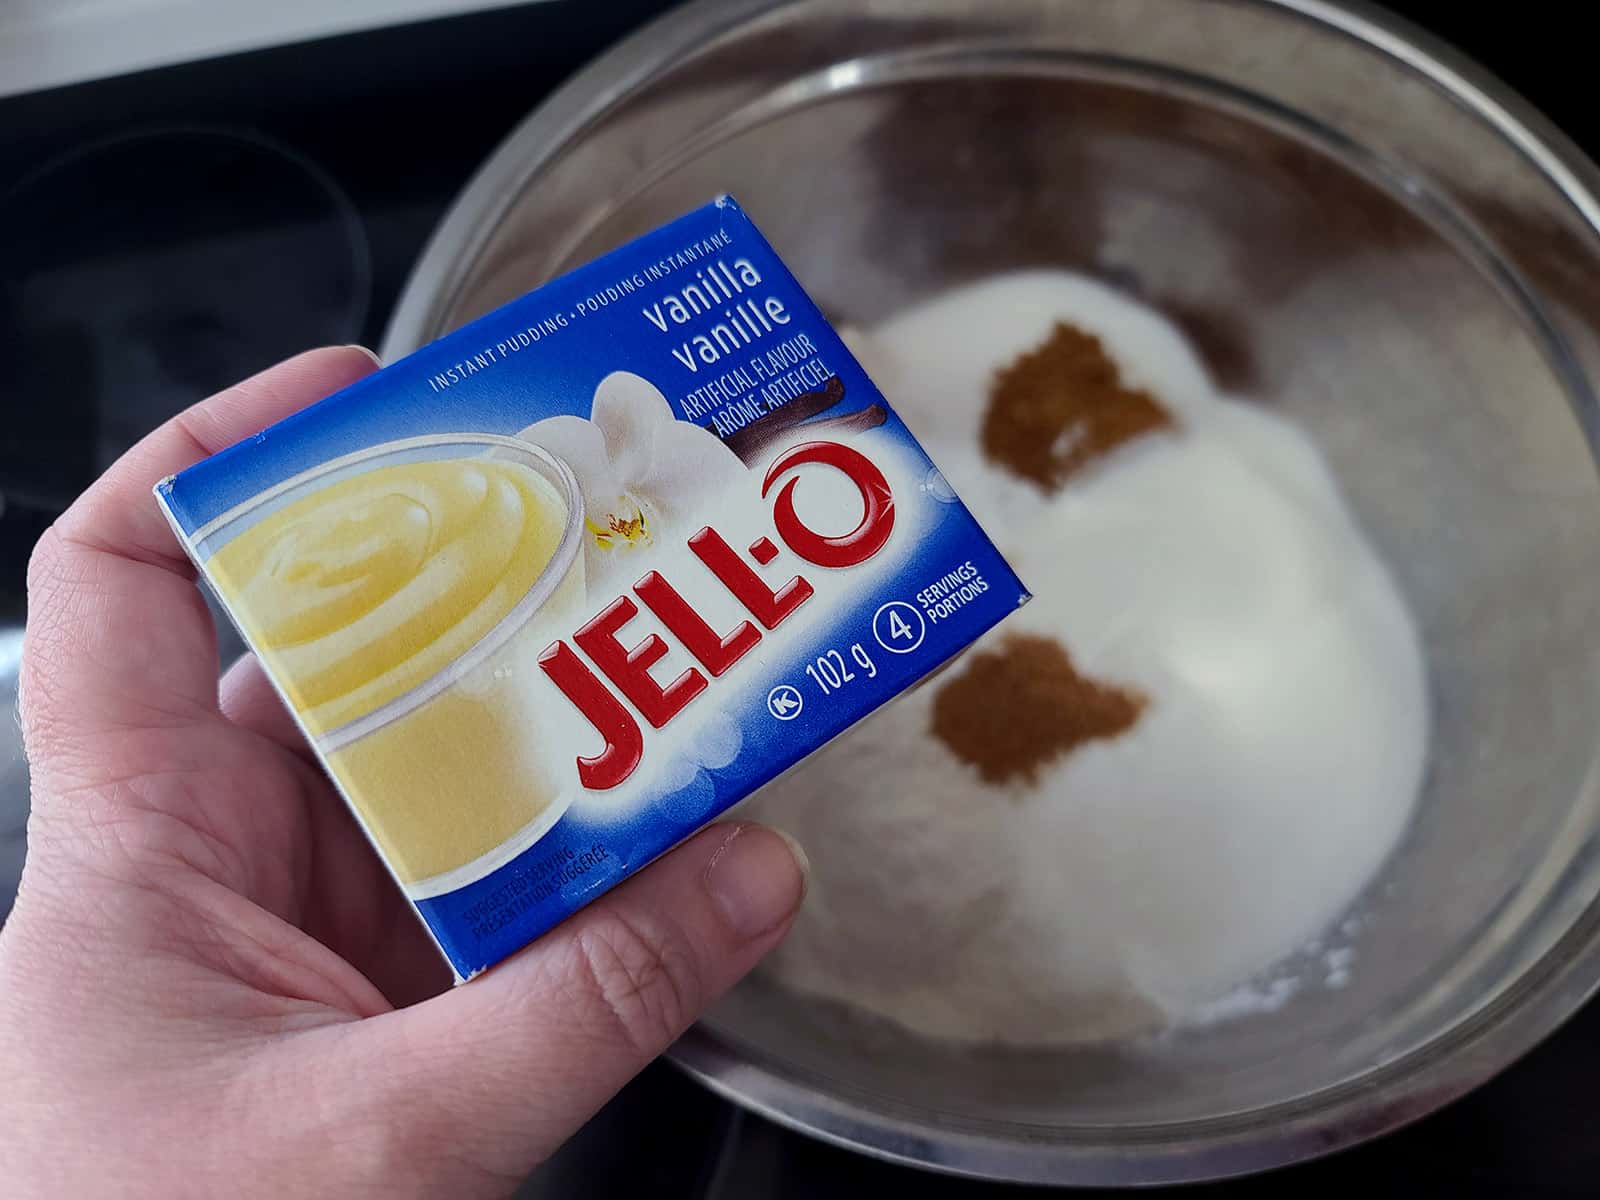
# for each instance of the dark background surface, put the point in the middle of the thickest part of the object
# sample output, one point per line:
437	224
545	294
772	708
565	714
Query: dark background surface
280	197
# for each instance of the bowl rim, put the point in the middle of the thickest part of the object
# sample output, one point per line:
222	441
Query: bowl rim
1394	1094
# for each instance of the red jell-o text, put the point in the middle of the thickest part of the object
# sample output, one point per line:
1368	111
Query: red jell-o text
627	668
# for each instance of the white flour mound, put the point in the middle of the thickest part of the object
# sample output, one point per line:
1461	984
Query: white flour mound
1216	570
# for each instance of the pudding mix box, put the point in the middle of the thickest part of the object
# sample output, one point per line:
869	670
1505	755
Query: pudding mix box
556	590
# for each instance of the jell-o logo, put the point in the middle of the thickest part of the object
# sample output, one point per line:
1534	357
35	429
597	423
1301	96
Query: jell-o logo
627	668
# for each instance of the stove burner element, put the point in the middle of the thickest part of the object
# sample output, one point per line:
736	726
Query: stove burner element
140	274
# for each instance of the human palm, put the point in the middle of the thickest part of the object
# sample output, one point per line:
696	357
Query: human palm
210	979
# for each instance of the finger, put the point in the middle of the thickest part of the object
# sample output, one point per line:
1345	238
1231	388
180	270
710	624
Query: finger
249	700
117	513
118	636
512	1063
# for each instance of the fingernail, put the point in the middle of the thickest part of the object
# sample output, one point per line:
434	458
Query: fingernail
757	878
372	354
800	857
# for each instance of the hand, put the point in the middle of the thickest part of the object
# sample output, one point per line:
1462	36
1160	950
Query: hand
209	986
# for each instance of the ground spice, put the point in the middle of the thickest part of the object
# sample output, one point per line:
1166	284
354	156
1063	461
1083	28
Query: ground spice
1062	405
1013	710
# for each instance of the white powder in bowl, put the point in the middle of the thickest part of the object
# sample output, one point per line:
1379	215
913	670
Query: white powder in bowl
1214	569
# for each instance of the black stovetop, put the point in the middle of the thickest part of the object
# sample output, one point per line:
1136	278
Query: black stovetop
282	196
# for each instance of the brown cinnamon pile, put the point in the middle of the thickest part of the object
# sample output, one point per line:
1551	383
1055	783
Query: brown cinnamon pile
1013	710
1061	406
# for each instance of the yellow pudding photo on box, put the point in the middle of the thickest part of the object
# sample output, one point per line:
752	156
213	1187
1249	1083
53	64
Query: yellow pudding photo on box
399	595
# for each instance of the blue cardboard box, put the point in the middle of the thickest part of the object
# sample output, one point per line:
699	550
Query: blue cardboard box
553	592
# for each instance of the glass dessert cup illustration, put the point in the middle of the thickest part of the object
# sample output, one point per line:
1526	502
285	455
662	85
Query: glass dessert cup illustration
399	597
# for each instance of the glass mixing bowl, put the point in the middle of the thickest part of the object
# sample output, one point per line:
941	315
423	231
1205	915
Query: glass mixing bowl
1357	229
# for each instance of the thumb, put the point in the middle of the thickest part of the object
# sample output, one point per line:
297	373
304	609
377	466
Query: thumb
499	1072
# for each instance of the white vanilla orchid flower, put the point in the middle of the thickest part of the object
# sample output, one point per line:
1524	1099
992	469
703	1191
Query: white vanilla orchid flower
641	470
